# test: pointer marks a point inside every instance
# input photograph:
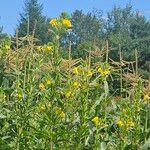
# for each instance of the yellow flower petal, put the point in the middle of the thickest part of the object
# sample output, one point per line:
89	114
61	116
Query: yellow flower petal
146	97
120	123
66	23
54	22
96	120
75	71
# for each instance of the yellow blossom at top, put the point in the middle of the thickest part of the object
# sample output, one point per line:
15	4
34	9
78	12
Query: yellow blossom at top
68	94
7	47
100	70
120	123
89	73
103	72
62	114
106	72
76	84
75	71
146	97
54	22
49	81
66	23
49	48
58	110
19	95
96	120
41	87
42	107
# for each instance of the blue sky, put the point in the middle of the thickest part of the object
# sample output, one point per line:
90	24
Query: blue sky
10	9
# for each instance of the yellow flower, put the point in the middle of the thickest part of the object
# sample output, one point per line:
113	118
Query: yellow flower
146	97
100	70
19	95
58	111
67	23
54	22
89	73
68	94
49	48
48	81
106	72
41	87
75	71
42	107
96	120
76	84
7	47
103	72
62	114
120	123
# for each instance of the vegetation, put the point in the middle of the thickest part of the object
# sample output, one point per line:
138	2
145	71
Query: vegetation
123	28
32	22
82	89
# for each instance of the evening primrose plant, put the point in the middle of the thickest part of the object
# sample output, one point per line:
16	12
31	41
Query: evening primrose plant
49	102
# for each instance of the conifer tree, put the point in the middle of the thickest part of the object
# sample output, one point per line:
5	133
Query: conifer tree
32	21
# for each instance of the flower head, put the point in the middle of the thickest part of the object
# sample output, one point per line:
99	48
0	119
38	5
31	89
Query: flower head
41	87
49	48
68	94
120	123
100	70
96	120
103	72
7	47
49	81
60	113
75	71
106	72
76	84
66	23
54	22
89	73
146	97
19	95
42	107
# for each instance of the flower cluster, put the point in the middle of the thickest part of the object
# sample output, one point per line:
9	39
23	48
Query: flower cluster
146	97
61	22
103	72
45	48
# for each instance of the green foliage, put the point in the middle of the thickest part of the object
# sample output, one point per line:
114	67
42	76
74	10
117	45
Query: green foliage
32	22
86	28
48	102
128	30
4	48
